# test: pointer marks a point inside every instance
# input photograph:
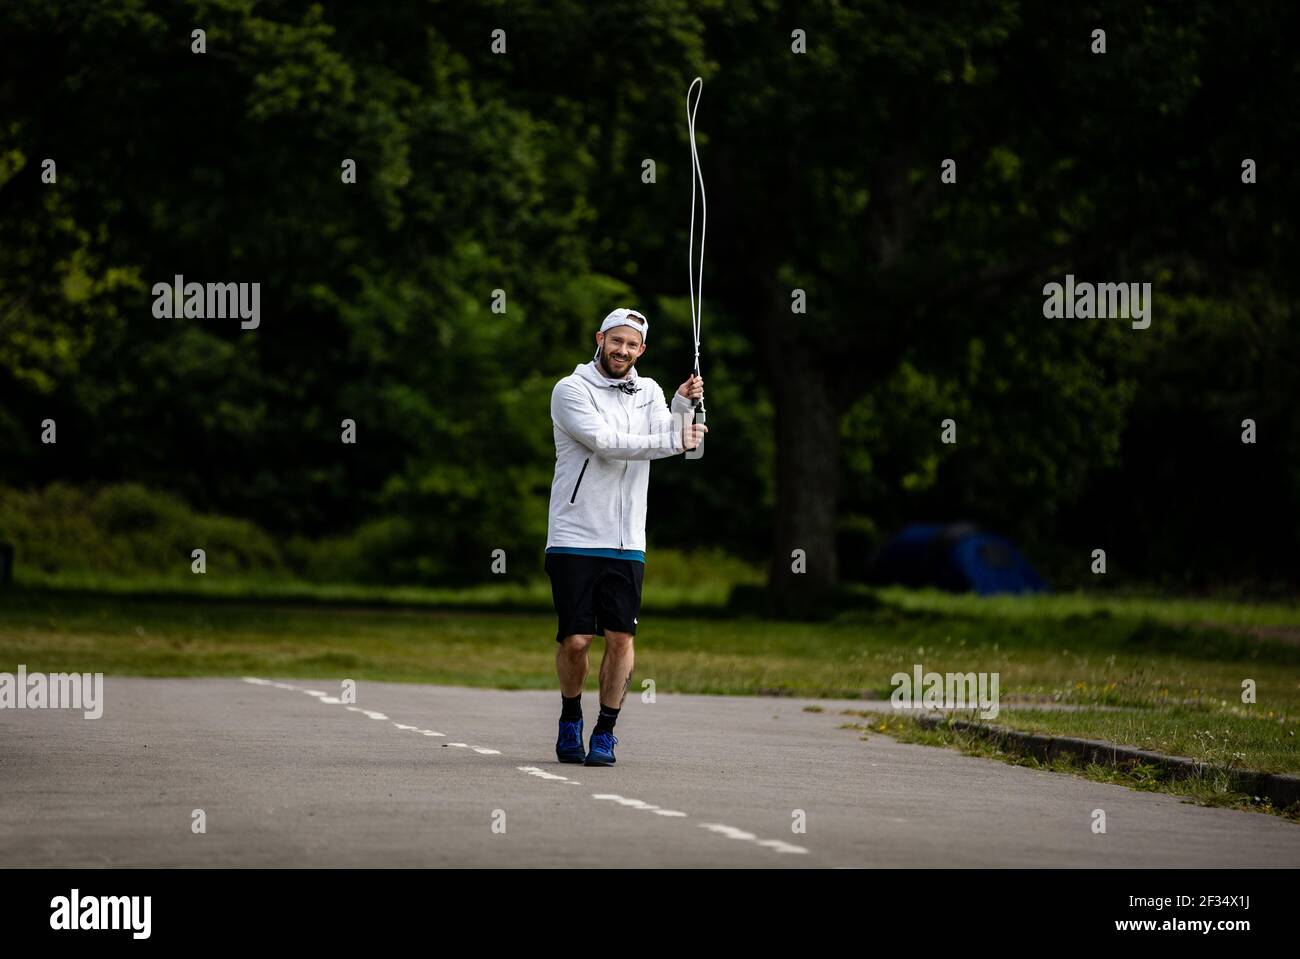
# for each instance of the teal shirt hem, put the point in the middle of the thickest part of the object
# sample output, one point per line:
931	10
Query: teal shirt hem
637	555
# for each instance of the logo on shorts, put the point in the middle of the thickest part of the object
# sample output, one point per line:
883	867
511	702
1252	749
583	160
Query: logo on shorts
633	620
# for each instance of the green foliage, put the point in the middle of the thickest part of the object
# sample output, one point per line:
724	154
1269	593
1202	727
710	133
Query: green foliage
126	529
479	172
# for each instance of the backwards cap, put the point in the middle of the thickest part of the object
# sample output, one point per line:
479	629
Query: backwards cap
625	317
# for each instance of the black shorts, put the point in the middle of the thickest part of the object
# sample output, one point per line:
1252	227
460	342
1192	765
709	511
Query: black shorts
593	593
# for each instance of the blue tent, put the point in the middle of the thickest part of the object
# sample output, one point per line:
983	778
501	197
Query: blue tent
957	557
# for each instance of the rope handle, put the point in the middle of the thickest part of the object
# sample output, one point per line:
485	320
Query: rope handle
696	282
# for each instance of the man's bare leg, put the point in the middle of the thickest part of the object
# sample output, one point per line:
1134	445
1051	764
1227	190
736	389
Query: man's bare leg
616	669
615	675
571	664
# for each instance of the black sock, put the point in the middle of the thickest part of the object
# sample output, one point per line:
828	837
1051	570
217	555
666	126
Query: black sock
572	708
606	720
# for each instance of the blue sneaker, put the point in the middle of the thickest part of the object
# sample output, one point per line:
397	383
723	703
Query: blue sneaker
602	750
569	746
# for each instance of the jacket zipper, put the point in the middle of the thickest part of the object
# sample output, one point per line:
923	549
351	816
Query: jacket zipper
622	544
580	475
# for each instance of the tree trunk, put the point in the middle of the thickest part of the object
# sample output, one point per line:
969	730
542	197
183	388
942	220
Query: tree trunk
807	473
801	371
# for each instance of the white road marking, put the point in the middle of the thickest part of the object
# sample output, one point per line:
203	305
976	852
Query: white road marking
367	712
634	803
637	804
781	846
731	832
543	774
323	697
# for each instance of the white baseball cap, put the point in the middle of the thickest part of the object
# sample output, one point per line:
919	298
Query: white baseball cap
625	317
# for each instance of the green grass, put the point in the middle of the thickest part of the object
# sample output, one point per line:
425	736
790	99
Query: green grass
1211	789
702	580
675	580
1057	606
1223	734
1185	683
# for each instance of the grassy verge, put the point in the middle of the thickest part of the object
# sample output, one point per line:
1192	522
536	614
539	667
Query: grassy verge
675	580
1211	789
1182	685
1237	735
1058	606
1249	737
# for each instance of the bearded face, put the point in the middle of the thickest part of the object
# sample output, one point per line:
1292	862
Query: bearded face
619	351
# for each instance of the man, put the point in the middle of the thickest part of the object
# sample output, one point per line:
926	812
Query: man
608	424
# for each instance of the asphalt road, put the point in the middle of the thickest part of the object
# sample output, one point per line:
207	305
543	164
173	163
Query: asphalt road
417	775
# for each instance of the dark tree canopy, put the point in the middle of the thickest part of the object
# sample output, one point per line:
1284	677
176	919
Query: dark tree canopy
522	172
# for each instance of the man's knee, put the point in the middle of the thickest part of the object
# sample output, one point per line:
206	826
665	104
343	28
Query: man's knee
617	641
575	645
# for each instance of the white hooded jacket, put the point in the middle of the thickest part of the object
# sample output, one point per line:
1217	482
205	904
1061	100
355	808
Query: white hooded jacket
606	433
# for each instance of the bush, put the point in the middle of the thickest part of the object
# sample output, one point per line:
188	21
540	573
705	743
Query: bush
128	529
380	551
52	530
